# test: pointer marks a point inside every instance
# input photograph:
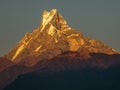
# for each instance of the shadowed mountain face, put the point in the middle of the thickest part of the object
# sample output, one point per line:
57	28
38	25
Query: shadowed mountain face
57	57
85	79
67	70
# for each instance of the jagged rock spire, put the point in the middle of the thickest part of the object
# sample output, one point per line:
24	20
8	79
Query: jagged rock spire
55	19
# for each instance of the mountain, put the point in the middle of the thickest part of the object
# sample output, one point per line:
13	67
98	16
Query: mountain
52	38
55	53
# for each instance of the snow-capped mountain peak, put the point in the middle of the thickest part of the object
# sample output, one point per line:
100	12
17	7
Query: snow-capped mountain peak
52	38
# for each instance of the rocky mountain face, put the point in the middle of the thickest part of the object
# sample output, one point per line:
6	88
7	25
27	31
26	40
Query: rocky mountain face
54	37
54	48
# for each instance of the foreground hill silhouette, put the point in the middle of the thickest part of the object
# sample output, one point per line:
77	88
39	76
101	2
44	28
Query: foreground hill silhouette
85	79
57	57
70	67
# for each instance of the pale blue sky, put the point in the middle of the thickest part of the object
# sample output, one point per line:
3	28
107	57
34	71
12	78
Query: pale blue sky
99	19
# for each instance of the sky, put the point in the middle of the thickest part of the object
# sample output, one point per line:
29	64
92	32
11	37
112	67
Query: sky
98	19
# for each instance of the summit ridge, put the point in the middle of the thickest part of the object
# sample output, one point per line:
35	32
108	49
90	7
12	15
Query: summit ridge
55	19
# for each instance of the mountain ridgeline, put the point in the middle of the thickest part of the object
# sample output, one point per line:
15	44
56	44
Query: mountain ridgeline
55	53
54	37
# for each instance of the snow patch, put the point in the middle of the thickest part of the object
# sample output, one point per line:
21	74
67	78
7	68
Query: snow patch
18	51
48	17
52	30
38	48
56	40
72	35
